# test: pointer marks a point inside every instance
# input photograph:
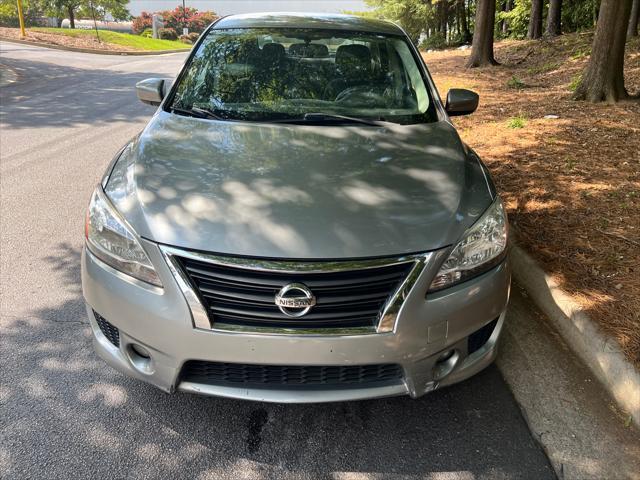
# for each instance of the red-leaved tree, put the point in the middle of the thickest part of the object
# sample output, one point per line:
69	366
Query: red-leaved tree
177	19
141	23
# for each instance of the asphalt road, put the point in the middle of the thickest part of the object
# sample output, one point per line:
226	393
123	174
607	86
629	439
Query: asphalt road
67	415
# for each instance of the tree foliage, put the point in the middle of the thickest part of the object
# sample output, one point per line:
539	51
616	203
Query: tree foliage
442	23
413	15
423	18
177	19
34	10
517	18
9	12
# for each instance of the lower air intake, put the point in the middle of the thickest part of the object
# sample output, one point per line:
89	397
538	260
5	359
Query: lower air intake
478	338
290	376
112	333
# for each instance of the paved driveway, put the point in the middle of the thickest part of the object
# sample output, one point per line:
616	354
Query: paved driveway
67	415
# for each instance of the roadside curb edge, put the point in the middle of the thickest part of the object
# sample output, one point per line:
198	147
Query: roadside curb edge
92	50
599	352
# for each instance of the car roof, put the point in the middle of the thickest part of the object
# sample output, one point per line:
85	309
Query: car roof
308	20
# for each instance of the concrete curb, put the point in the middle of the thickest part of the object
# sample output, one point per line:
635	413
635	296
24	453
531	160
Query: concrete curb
91	50
600	353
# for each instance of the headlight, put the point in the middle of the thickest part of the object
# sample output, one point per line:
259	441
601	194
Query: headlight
111	240
483	246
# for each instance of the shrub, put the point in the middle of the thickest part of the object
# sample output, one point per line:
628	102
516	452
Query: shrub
185	39
193	36
9	14
177	19
167	34
147	33
202	21
190	17
141	23
437	41
458	39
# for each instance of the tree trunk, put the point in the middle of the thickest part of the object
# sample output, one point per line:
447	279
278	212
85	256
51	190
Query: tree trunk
554	23
482	48
464	25
535	21
632	31
505	23
603	79
443	7
72	20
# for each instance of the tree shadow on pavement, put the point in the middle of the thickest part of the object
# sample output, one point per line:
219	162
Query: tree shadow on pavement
40	98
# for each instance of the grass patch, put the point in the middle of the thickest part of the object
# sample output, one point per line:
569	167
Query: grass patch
544	68
516	83
581	52
517	122
134	42
575	81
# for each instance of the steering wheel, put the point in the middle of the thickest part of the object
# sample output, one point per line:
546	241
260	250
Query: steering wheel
360	94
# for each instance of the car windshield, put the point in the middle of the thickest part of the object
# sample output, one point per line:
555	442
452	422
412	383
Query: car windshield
259	74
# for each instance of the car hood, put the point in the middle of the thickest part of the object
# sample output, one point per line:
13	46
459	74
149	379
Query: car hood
298	191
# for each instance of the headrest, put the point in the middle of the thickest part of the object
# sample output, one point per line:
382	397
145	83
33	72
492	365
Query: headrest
248	51
297	49
273	51
353	59
317	50
309	50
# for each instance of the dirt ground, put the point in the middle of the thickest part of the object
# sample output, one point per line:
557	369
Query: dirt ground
571	182
76	42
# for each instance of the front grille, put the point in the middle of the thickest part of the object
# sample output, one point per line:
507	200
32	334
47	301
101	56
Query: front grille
294	376
112	333
244	297
478	338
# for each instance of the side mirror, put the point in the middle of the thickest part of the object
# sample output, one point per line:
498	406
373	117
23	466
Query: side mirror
461	102
152	90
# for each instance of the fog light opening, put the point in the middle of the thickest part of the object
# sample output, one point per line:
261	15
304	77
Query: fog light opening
140	358
445	364
140	351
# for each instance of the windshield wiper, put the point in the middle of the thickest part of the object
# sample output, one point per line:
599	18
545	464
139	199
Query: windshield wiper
208	113
316	118
197	112
329	117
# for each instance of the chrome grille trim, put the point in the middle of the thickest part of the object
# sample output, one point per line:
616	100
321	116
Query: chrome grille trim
387	319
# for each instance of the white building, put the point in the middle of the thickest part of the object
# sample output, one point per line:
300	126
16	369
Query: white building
228	7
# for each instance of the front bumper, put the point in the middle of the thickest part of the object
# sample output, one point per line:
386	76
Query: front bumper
160	321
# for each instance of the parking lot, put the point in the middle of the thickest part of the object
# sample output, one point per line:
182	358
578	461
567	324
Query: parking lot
65	414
